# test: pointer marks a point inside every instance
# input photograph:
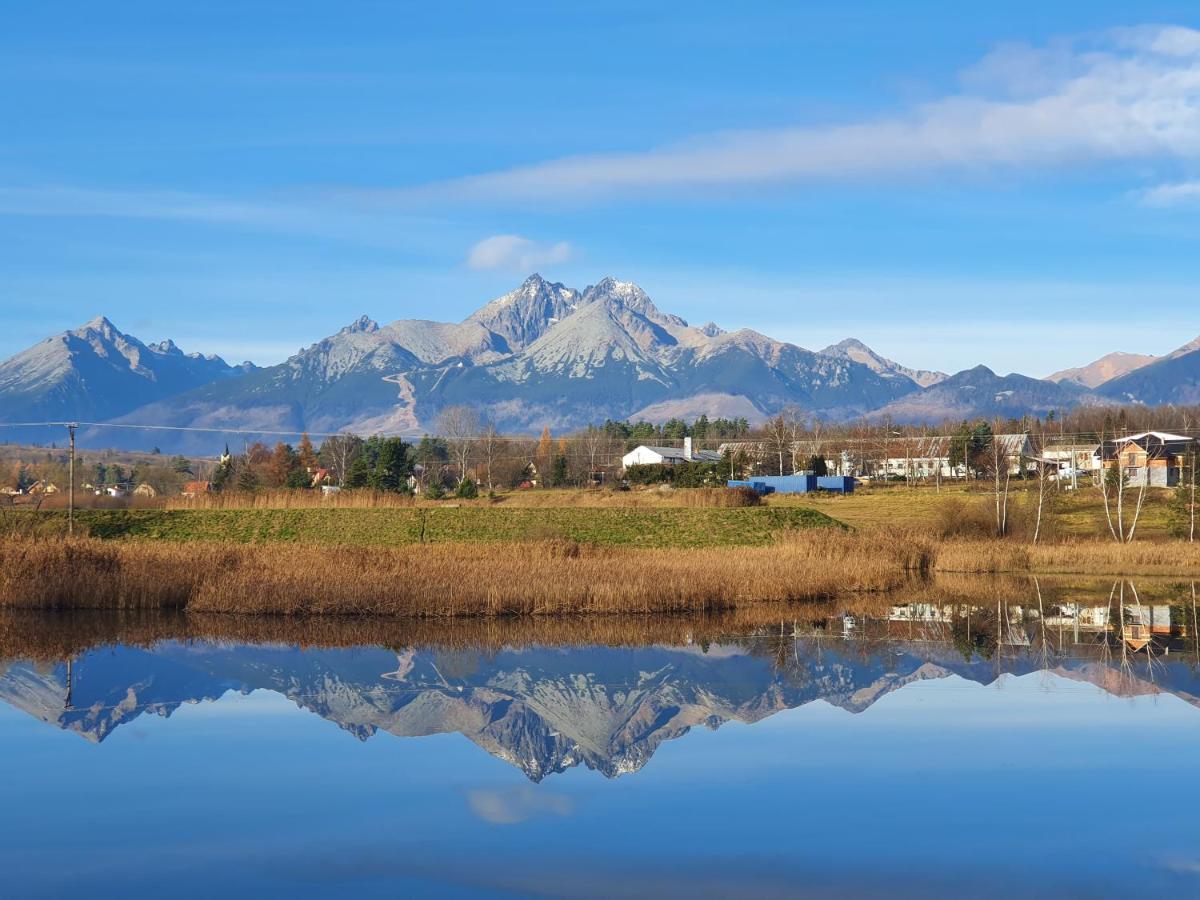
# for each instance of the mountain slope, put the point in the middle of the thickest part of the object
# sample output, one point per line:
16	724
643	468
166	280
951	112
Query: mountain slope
1106	368
96	372
980	392
543	354
855	350
1173	379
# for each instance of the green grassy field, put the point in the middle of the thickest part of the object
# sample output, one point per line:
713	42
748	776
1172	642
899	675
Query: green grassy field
663	527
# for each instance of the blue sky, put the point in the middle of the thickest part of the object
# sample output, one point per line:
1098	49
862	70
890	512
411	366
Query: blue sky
1018	186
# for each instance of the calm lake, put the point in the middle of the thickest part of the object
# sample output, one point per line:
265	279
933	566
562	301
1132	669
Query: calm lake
984	748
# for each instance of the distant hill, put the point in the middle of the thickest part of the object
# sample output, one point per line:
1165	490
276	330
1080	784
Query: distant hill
980	392
1104	369
859	352
1173	379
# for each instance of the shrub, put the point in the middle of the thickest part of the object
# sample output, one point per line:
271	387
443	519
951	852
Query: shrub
466	490
720	497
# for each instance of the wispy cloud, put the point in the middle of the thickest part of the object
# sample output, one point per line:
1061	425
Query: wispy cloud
520	254
1172	194
1130	94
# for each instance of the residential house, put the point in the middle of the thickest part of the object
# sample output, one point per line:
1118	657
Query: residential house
668	456
193	488
145	490
1152	458
1072	461
921	458
43	487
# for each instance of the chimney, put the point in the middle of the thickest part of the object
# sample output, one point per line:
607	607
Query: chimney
687	448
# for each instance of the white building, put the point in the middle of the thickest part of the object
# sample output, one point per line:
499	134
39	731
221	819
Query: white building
668	456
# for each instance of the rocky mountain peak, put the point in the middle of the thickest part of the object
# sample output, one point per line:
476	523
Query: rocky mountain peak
521	316
627	295
361	325
856	351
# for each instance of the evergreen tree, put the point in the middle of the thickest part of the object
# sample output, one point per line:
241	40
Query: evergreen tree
559	475
359	475
816	465
392	465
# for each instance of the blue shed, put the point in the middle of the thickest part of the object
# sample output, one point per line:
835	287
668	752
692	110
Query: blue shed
839	484
757	486
787	484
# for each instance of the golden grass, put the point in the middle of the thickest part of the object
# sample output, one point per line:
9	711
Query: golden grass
547	578
1091	557
293	499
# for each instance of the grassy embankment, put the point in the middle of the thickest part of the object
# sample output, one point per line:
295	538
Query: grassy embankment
648	528
548	552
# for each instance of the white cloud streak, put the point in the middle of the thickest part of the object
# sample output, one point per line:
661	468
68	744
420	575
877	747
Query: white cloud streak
516	253
1131	95
1172	194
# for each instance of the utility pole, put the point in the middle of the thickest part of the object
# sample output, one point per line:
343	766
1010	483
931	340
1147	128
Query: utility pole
71	489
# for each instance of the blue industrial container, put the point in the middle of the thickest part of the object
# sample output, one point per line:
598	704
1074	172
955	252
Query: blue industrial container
783	484
757	486
839	484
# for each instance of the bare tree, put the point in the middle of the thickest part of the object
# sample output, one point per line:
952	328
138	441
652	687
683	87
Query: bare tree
1001	460
1040	449
593	442
1191	482
340	452
781	433
489	446
459	425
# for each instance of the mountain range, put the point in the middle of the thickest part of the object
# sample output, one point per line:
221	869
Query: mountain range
543	709
541	355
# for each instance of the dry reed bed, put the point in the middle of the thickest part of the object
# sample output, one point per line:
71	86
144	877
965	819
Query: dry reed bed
650	498
441	580
293	499
1100	557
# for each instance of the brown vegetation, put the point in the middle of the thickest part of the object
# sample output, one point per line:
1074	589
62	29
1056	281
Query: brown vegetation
1095	557
294	499
443	580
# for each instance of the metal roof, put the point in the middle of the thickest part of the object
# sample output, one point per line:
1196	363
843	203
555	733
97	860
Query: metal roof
678	453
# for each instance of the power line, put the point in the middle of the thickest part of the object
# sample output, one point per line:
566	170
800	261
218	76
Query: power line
1054	437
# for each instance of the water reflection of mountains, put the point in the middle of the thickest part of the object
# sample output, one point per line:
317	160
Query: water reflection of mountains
546	708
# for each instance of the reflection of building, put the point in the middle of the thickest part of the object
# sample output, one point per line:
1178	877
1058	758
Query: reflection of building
1152	458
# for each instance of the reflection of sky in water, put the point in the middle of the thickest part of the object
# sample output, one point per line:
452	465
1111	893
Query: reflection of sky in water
1037	785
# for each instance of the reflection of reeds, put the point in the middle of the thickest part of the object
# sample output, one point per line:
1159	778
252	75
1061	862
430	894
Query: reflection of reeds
442	580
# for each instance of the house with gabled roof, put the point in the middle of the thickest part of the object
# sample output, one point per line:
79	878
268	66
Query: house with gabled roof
668	456
1152	458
